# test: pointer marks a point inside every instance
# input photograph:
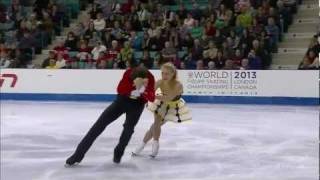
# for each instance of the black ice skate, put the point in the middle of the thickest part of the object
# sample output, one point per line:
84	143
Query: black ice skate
73	160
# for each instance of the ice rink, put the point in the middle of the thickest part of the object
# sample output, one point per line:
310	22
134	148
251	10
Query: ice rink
223	142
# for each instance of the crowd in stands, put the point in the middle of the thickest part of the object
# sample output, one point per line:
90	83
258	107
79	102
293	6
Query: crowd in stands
193	34
27	27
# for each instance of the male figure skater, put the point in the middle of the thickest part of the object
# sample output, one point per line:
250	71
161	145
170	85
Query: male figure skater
134	90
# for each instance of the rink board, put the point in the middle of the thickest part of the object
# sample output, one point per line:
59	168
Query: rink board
235	87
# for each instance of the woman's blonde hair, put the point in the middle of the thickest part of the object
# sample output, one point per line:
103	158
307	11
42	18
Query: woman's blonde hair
169	66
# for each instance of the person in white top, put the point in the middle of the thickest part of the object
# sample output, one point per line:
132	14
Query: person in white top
61	62
4	60
97	49
143	14
152	31
189	21
99	23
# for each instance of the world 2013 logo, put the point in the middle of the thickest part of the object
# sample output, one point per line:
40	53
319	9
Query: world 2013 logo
8	77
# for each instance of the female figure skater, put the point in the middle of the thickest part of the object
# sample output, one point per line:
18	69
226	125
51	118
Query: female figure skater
168	106
134	90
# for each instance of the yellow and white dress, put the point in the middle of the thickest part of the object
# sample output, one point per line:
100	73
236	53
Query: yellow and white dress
174	110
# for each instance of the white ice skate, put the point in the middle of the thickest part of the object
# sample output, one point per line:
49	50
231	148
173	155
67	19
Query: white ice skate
155	149
138	150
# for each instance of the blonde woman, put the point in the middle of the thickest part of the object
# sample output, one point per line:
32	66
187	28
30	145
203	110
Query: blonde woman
168	106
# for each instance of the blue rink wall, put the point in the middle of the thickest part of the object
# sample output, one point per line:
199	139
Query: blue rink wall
220	87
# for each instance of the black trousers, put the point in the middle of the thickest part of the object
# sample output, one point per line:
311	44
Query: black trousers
133	109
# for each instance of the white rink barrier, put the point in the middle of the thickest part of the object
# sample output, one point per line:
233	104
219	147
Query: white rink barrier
241	87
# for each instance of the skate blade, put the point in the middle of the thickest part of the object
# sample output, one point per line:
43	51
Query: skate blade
134	154
69	166
152	156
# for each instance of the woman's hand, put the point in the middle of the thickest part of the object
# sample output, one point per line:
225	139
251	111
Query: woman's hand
138	82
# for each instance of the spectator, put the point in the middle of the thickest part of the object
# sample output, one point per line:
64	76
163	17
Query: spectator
204	41
200	65
245	18
182	65
136	41
60	48
211	65
99	23
262	53
146	60
189	22
145	43
197	49
71	42
315	45
112	53
152	31
310	61
144	15
103	62
125	55
169	53
107	38
96	50
136	24
116	7
4	60
224	14
255	62
52	64
95	11
156	64
237	58
244	64
60	62
156	43
186	42
285	14
212	51
182	12
219	60
196	12
229	65
89	32
117	31
256	28
238	28
207	58
84	52
210	30
197	30
56	17
26	46
189	61
218	39
47	23
45	63
262	16
273	32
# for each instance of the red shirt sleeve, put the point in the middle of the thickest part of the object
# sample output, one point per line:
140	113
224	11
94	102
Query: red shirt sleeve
126	84
149	93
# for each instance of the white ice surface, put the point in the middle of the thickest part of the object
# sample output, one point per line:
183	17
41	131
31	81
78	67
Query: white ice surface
223	142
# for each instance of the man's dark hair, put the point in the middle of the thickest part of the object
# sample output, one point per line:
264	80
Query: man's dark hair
139	72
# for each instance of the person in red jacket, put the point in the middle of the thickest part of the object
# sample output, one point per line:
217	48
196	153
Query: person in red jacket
134	90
